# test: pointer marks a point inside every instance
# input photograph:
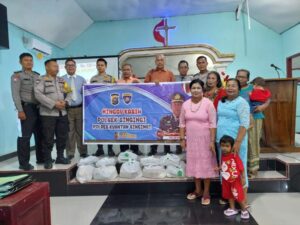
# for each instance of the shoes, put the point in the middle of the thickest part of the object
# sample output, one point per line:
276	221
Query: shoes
62	160
230	212
99	152
178	151
152	152
167	152
26	167
48	165
222	201
84	155
193	195
205	200
111	152
137	152
245	214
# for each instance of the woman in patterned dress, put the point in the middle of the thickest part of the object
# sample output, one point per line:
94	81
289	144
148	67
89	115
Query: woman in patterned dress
197	136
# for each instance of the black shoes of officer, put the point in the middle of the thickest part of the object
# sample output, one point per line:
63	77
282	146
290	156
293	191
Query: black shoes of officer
111	152
84	155
178	151
137	152
26	167
99	152
48	165
62	160
152	152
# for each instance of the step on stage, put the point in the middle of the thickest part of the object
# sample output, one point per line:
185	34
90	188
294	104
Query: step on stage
279	172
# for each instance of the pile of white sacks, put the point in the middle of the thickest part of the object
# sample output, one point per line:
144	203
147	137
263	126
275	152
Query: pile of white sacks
132	167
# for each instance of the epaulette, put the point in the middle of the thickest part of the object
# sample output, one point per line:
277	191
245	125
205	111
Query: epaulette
19	71
36	73
60	79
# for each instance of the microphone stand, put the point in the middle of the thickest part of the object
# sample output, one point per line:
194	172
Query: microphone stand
277	70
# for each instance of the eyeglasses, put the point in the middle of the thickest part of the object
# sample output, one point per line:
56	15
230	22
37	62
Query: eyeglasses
70	65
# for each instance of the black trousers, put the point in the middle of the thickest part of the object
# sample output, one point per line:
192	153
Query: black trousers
32	125
100	147
58	125
167	148
134	148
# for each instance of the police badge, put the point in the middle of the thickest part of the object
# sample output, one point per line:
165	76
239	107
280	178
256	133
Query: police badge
127	98
114	99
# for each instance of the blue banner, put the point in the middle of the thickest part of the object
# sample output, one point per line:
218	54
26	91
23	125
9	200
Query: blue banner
133	113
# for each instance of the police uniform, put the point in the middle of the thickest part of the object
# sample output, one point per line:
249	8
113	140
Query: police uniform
184	78
22	88
169	124
49	90
103	79
109	80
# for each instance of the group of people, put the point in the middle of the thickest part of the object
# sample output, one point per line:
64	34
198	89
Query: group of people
214	127
215	117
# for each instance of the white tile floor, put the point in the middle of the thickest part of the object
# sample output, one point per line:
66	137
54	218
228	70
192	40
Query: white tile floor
266	208
275	208
75	210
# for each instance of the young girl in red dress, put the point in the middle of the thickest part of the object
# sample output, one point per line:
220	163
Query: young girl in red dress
233	178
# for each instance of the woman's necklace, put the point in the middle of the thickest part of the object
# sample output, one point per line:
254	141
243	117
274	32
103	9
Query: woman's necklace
197	108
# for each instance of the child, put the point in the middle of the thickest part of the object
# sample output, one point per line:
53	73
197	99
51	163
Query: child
259	95
233	178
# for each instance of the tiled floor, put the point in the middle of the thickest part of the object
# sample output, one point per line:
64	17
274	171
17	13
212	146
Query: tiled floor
266	209
75	210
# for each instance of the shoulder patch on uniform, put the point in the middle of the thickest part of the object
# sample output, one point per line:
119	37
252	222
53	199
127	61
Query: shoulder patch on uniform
16	76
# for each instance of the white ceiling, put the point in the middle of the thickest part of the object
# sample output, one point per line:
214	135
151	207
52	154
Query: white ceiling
60	21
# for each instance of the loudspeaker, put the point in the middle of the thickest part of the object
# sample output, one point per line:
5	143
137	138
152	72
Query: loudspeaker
4	43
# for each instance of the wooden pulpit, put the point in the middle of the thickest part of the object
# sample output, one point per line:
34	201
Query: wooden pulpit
280	117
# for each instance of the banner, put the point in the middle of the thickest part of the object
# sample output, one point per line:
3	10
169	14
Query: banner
133	113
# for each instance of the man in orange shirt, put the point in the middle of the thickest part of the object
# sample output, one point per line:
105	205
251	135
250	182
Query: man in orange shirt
127	78
159	74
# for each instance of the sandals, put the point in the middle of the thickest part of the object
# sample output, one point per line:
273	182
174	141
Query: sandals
205	200
193	195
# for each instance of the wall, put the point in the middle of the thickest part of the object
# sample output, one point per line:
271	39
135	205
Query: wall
256	48
290	40
9	63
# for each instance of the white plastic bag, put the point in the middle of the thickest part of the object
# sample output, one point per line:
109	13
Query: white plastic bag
84	173
131	169
170	159
105	173
176	171
154	172
126	156
106	161
90	160
150	161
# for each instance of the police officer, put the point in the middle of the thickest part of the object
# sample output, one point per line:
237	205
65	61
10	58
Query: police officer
49	91
22	83
102	77
169	125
